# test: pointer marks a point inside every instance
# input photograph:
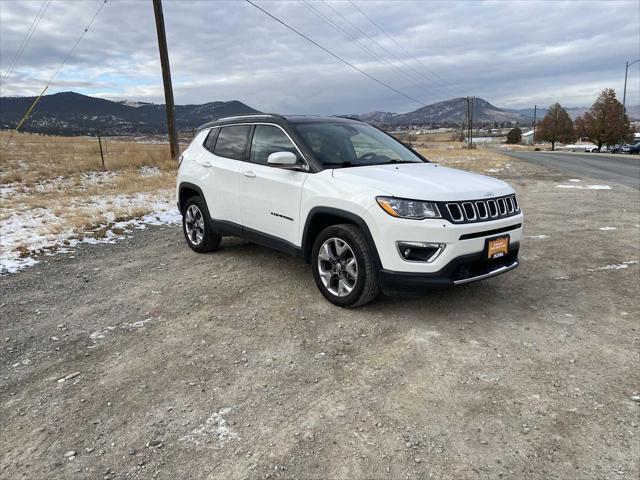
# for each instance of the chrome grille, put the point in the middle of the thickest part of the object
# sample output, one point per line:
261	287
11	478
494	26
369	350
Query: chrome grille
482	210
455	211
502	207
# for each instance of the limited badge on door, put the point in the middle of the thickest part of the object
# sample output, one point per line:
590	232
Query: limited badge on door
497	247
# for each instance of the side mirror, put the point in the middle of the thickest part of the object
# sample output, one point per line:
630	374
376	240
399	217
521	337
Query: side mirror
282	158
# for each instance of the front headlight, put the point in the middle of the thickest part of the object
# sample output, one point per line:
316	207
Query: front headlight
413	209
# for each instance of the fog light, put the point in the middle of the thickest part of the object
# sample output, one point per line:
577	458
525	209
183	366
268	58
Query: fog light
420	251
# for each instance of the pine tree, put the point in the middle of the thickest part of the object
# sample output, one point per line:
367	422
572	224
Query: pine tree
514	135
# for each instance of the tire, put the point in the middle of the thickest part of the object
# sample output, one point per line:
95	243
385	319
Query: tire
196	226
333	265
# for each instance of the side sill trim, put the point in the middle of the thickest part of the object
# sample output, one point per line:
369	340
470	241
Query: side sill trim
226	228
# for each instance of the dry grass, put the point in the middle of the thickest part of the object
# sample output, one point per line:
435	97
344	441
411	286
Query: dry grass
487	160
31	158
57	185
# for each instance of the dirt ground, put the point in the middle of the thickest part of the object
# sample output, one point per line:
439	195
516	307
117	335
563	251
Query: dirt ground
232	365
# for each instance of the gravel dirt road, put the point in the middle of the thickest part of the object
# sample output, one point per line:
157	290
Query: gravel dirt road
231	364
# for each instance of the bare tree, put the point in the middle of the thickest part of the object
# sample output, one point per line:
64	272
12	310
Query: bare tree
606	123
556	126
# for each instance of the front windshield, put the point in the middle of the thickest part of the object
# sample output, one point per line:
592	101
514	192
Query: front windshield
351	145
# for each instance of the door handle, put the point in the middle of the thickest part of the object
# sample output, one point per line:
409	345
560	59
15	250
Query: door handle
205	163
249	174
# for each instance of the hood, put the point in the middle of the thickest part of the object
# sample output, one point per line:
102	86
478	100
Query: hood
424	181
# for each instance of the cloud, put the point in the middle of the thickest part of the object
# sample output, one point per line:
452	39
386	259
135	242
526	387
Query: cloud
510	53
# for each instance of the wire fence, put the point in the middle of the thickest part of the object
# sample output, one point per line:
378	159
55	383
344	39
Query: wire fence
53	155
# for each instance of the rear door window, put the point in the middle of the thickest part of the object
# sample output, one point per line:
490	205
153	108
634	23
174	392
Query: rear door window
232	141
268	139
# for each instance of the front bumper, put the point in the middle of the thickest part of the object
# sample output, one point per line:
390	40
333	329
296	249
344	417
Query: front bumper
460	240
461	270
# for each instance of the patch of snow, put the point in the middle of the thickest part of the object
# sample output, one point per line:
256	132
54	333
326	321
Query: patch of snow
98	178
574	180
8	189
147	171
586	187
538	237
606	229
618	266
29	232
494	170
214	428
9	264
55	184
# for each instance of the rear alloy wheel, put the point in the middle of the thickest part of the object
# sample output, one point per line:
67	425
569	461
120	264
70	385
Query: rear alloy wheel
342	266
196	225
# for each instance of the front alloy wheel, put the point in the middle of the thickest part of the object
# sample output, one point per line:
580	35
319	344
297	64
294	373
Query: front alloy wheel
337	267
343	266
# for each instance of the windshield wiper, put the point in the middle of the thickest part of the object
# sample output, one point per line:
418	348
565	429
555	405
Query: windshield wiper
395	160
338	164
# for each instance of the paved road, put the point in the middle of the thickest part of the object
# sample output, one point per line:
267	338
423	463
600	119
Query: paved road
623	169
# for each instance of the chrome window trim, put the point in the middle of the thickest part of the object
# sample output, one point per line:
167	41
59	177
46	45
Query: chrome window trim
306	165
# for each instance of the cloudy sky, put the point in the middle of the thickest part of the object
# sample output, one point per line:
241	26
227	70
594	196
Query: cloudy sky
512	53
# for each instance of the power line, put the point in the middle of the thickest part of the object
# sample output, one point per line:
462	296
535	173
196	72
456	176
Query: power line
373	54
435	74
64	61
77	42
335	55
420	76
25	40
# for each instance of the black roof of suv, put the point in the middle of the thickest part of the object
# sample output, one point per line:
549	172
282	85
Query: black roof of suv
277	119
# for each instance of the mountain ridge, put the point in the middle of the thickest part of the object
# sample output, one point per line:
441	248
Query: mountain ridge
71	113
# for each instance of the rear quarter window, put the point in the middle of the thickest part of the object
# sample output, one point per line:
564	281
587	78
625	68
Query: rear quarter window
210	141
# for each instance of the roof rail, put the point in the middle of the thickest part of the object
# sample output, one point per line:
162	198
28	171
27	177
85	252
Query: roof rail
349	117
243	115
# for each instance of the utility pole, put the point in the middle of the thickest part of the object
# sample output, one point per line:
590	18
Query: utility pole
471	124
166	78
468	121
535	111
101	153
624	95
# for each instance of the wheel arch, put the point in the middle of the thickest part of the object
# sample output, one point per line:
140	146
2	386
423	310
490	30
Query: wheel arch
320	218
187	190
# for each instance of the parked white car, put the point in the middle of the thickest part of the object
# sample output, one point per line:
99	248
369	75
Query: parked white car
582	147
367	212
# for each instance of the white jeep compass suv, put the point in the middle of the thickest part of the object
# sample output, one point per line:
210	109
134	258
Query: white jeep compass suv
365	211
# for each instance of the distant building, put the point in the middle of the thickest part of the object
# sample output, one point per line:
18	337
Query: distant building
527	138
